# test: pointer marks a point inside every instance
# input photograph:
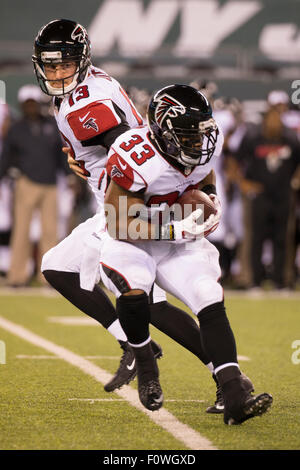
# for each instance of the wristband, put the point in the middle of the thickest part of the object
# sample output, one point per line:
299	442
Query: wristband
209	189
165	232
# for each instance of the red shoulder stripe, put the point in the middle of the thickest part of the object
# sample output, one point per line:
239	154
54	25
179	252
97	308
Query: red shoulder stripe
120	172
91	120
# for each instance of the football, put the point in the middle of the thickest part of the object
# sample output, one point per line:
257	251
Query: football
195	197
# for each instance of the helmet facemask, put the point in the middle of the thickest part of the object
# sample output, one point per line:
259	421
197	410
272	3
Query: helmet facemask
61	42
48	57
181	125
190	147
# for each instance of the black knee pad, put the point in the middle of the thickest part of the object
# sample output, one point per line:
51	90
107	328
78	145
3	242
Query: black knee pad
132	301
134	315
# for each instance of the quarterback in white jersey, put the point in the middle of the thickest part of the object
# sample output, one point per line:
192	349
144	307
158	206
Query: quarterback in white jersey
98	105
155	165
92	110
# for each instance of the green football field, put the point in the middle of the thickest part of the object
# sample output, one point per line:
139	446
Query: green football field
54	361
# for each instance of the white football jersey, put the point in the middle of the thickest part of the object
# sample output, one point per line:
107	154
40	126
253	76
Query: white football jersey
136	165
94	107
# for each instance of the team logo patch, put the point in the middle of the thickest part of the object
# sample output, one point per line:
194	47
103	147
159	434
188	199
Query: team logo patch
167	106
116	172
78	33
91	124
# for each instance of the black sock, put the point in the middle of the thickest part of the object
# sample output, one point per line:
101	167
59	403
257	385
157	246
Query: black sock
145	363
217	336
228	376
134	315
179	326
96	304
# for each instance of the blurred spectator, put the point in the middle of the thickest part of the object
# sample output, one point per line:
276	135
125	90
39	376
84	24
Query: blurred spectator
230	236
238	202
5	198
208	88
227	237
268	158
222	236
33	147
278	100
290	116
141	98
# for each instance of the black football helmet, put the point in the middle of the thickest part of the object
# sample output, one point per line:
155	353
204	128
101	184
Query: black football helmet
181	124
57	42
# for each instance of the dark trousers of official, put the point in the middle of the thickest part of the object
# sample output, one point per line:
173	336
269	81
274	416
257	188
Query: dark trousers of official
269	218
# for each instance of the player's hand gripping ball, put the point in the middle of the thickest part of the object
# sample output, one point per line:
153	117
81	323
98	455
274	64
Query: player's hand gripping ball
193	199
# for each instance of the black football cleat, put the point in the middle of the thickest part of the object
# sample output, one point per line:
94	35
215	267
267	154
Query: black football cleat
218	406
127	368
149	389
157	350
248	408
151	395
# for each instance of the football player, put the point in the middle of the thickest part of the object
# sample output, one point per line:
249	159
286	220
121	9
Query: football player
92	110
150	166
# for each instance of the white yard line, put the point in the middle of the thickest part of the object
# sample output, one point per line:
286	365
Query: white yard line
29	291
118	400
43	356
76	321
36	356
190	438
243	358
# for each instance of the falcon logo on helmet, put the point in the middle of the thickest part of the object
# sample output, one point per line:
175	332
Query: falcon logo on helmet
167	106
61	42
182	126
78	33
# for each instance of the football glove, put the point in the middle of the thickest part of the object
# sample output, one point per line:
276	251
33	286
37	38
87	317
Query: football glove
183	230
213	220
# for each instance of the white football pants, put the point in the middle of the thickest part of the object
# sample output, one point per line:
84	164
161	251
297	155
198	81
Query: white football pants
189	271
73	255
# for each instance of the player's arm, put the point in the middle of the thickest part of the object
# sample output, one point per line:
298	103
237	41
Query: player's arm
208	185
122	208
104	140
98	123
74	165
130	173
124	214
